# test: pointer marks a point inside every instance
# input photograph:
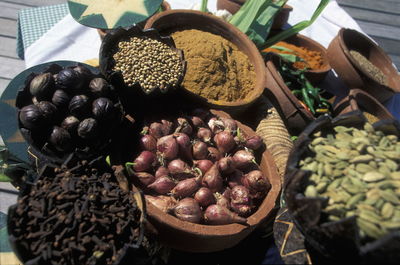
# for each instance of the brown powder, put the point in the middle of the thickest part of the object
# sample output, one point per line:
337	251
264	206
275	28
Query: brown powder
216	69
368	66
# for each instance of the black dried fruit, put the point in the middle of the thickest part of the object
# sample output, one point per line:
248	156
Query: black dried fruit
71	124
60	98
69	80
87	129
103	109
60	139
42	86
31	117
49	111
79	106
99	87
84	72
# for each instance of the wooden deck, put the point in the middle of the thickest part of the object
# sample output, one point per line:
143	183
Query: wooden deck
379	19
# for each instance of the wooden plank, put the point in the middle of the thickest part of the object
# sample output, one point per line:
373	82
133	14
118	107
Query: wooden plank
373	16
3	84
373	29
391	6
10	67
35	2
8	47
8	27
10	10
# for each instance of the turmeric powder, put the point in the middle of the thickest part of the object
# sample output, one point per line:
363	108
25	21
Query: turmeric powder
216	68
310	59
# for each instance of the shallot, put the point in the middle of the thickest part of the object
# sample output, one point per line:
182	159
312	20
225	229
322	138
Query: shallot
253	142
155	130
205	197
204	165
186	187
222	200
219	215
204	134
243	159
188	210
197	122
256	182
226	165
144	161
216	125
168	147
167	127
145	178
212	179
184	146
241	201
200	150
184	126
148	143
224	141
164	203
179	169
162	185
235	178
161	172
213	154
229	124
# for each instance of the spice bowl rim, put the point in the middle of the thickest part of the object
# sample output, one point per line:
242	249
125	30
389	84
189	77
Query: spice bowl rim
177	18
201	238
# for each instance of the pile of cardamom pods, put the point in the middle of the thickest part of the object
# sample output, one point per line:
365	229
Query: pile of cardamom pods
358	171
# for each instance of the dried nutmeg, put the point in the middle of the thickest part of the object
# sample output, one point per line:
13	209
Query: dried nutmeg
103	109
87	129
31	117
60	139
69	80
79	106
99	87
84	72
49	111
60	99
42	86
70	123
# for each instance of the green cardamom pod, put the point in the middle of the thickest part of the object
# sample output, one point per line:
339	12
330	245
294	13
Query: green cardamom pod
311	191
369	216
362	159
370	229
387	210
372	176
354	200
389	196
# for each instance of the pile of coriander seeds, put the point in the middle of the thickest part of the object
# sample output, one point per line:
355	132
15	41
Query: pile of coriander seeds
148	62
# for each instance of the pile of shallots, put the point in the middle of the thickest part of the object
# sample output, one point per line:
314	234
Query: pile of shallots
200	168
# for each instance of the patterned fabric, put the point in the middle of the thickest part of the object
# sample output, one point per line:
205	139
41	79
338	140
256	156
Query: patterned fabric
34	22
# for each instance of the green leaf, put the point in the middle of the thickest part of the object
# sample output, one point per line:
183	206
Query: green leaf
281	48
298	27
203	7
291	57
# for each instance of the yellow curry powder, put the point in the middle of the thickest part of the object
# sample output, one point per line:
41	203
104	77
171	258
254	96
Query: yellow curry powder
216	69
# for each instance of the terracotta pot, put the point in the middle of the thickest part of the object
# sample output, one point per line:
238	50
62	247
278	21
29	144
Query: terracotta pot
201	238
353	75
176	20
103	32
293	112
361	100
234	5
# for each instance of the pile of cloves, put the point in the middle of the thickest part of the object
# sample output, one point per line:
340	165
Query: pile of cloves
79	217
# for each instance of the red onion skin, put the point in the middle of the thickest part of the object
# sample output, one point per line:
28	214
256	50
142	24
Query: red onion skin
162	185
257	184
148	143
224	141
188	210
167	127
227	193
222	200
184	145
212	179
219	215
197	122
205	197
186	188
144	161
241	209
243	159
204	165
214	154
155	130
254	142
168	147
179	169
200	150
226	165
240	195
145	178
216	125
184	126
235	179
204	134
230	124
164	203
161	172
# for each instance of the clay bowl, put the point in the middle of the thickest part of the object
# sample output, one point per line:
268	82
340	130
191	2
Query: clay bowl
361	100
201	238
234	5
103	32
176	20
293	112
314	76
352	74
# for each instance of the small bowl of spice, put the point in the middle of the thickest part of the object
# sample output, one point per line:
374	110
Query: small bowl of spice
306	54
225	70
361	63
361	100
141	61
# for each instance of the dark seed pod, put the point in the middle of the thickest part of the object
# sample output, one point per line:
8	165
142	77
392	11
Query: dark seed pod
87	129
69	80
60	99
49	111
79	106
42	86
99	87
60	139
70	124
31	117
84	72
103	109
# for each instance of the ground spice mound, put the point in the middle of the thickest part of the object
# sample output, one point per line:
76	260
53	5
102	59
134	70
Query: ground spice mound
311	59
216	69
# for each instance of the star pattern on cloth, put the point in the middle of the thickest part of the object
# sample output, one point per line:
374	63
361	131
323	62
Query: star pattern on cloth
112	10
